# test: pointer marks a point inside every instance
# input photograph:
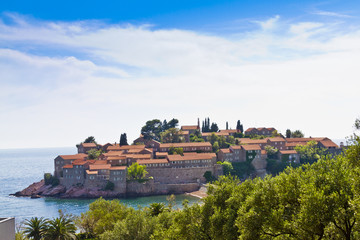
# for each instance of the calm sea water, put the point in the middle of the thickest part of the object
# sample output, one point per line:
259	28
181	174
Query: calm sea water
21	167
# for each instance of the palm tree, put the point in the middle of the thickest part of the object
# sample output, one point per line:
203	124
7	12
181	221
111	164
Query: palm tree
61	228
35	228
156	208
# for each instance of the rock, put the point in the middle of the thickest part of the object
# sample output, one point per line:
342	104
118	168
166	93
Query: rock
35	196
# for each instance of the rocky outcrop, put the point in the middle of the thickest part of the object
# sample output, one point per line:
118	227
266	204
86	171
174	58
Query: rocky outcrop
134	189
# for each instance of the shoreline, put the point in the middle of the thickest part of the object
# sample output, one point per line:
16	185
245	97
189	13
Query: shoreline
40	190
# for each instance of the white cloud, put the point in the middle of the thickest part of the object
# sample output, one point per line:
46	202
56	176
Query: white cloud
64	81
332	14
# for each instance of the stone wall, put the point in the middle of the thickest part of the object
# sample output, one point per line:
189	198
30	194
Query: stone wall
134	188
182	175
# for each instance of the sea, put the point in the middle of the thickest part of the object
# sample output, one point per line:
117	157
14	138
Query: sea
21	167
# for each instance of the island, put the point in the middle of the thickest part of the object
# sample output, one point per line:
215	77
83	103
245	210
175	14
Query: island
168	160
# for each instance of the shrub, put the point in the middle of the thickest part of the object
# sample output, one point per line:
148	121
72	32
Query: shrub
51	180
109	186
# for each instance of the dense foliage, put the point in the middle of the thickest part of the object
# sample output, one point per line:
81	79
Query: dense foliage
136	171
318	200
123	139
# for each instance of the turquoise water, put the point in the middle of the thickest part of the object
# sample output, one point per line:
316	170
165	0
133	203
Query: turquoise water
21	167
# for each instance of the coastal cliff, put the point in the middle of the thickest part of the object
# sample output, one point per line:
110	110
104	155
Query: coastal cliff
136	189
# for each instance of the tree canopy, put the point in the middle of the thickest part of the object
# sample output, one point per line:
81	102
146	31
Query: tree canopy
136	171
90	139
123	139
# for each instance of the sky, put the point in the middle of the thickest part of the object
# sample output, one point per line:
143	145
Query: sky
73	69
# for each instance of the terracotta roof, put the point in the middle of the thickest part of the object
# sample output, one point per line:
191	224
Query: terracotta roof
253	141
100	162
68	166
163	154
113	153
230	130
190	127
250	129
185	132
288	152
74	156
87	145
263	152
251	147
271	129
99	166
114	168
305	139
237	147
79	162
277	139
135	150
91	172
225	150
116	158
189	144
206	134
199	156
139	156
329	143
152	161
294	144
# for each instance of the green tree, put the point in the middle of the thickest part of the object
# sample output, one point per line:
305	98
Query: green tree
272	152
227	167
136	171
102	216
35	228
216	147
172	135
152	129
137	226
90	139
239	126
94	154
297	134
288	133
123	139
156	208
174	150
214	127
173	123
61	228
275	134
310	152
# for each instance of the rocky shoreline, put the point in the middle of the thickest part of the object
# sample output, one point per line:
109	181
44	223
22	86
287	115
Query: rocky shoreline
39	189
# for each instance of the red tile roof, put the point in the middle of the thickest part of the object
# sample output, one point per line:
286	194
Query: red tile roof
329	143
99	166
190	127
206	134
152	161
189	144
253	141
225	150
88	145
251	147
199	156
230	130
288	152
277	139
74	156
68	166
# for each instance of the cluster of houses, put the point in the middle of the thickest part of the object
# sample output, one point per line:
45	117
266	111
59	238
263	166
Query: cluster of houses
166	168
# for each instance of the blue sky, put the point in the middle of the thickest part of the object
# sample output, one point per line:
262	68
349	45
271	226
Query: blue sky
71	69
